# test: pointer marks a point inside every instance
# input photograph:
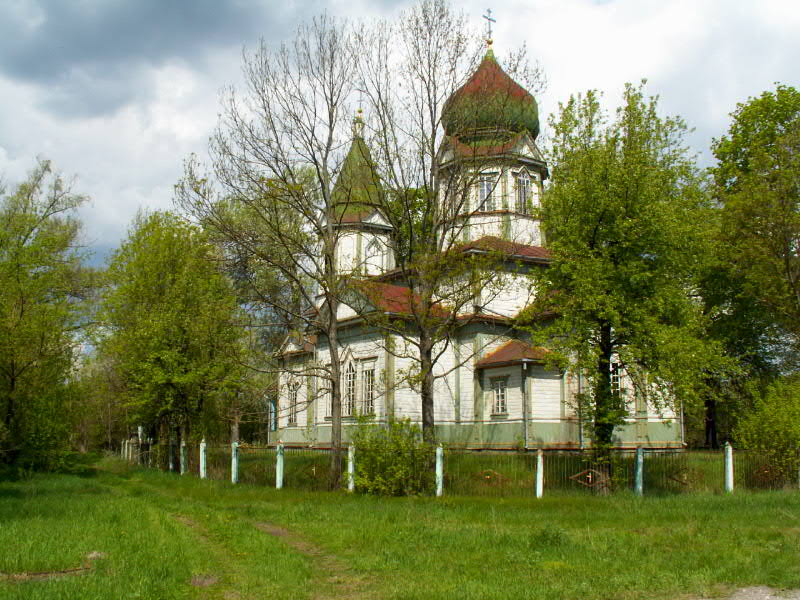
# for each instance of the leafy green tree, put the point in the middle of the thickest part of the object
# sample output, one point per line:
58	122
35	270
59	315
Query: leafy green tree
42	282
773	429
757	181
170	322
624	223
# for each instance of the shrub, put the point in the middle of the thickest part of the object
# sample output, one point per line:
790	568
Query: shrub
392	459
773	428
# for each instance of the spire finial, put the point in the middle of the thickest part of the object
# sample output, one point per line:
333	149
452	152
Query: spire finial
358	124
489	21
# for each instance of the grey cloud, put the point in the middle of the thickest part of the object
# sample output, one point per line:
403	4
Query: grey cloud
90	55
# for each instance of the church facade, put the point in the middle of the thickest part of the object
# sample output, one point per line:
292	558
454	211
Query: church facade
493	388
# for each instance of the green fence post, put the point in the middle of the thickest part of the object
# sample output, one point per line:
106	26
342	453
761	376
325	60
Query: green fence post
439	471
203	472
639	475
351	468
184	458
234	462
539	473
279	468
728	467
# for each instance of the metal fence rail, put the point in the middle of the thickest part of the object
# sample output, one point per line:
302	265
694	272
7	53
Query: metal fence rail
461	472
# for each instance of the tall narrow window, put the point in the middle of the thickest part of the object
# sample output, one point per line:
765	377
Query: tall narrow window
499	404
486	185
373	258
368	389
326	391
616	379
293	387
349	404
523	191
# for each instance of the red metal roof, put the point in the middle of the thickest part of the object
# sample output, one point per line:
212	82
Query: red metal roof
513	352
397	299
491	243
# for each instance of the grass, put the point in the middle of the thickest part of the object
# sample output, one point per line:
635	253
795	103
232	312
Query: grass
159	532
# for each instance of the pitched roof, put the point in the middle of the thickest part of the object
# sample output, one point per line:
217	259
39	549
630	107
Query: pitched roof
358	189
515	351
396	299
495	244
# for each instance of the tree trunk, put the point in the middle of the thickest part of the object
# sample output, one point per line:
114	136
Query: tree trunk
426	389
712	439
605	403
336	466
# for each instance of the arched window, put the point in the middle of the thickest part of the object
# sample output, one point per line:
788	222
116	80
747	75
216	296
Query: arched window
349	400
293	387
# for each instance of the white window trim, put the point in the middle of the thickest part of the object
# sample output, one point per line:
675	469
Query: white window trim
499	389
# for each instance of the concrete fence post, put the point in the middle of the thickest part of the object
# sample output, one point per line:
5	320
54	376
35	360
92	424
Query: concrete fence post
184	458
728	467
122	451
539	473
279	468
234	462
638	486
351	468
203	472
439	471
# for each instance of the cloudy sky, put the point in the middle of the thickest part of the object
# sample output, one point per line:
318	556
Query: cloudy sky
119	92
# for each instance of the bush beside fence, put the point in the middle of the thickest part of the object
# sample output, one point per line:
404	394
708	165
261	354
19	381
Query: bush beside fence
460	472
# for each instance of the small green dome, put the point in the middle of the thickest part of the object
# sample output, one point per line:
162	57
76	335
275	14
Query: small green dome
489	101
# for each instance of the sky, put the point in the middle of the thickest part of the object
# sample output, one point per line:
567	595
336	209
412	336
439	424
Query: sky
117	93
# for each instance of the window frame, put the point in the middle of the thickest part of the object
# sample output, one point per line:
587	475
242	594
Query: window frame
499	403
291	416
368	388
350	391
487	184
522	204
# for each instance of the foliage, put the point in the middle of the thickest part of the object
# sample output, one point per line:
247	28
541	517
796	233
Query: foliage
773	428
392	460
42	281
757	180
169	322
624	222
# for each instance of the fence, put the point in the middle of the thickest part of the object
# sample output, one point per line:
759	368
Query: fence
483	472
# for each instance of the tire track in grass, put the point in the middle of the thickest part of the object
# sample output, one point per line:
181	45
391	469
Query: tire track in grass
336	580
206	580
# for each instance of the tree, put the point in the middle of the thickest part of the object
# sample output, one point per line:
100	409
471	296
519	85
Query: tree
275	157
41	312
623	219
410	71
757	181
169	323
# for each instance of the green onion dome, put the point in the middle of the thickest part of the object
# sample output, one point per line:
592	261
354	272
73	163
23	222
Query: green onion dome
490	101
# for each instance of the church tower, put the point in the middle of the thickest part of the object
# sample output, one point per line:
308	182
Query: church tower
492	170
364	236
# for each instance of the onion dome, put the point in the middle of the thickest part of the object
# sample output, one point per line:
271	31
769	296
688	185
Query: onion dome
490	102
356	193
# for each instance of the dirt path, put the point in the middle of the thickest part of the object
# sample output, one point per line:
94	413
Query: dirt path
765	593
336	580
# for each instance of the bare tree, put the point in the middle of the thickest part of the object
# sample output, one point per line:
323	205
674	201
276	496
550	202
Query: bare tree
275	156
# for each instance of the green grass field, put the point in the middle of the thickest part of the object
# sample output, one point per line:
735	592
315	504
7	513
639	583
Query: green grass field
161	536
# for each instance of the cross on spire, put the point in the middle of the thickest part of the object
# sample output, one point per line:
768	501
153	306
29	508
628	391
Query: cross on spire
489	21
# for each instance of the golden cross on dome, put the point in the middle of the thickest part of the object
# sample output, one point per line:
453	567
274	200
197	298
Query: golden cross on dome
489	21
